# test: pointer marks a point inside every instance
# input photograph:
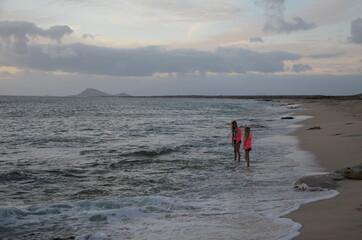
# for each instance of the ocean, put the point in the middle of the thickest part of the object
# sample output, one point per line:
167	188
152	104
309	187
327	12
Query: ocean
148	168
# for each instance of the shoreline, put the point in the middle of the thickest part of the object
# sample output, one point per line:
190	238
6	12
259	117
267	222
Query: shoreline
336	145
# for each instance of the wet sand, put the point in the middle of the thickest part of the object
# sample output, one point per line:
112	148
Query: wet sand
337	144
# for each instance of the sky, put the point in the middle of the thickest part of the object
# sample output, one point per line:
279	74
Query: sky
173	47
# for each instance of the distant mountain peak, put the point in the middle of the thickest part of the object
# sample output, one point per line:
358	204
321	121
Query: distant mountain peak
92	92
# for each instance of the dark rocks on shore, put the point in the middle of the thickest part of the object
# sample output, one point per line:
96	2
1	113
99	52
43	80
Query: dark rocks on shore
293	106
315	128
336	176
315	182
328	181
352	172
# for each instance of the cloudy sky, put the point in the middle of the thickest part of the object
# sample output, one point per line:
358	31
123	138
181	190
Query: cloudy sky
159	47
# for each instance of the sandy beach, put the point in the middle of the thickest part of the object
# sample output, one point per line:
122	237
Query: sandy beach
337	144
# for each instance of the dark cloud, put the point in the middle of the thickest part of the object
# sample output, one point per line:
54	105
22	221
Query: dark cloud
275	22
272	8
256	39
328	55
356	31
301	67
56	32
15	34
88	35
16	51
279	25
243	60
145	61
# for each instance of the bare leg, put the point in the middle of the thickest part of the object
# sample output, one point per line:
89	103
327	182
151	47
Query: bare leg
235	152
247	158
238	151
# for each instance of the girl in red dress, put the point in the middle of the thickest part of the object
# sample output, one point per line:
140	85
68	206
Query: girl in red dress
236	134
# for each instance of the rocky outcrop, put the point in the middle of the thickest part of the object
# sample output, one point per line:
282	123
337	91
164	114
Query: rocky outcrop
315	182
329	180
351	172
336	176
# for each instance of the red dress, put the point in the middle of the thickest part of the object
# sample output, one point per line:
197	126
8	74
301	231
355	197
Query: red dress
236	136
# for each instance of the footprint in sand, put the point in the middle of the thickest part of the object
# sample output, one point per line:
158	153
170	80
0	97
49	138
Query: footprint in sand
359	209
337	134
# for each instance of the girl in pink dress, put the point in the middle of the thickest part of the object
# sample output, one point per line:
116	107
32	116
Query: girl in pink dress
247	145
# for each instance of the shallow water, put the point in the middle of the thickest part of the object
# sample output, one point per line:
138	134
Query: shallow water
147	168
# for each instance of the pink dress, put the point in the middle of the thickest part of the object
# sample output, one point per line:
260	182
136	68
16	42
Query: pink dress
247	142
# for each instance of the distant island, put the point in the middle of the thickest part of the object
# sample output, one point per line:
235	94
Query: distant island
91	92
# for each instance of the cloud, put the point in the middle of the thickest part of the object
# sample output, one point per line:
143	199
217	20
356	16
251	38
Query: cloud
199	11
274	11
15	34
189	10
145	61
256	39
4	74
136	62
301	67
59	52
88	35
242	60
327	55
272	8
356	31
279	25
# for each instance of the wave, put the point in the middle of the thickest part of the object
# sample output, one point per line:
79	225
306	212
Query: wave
91	192
71	172
151	153
86	213
15	175
98	151
41	175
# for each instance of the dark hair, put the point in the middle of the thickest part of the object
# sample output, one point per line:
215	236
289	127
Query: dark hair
232	123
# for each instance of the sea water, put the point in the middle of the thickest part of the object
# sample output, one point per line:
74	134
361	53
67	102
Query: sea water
147	168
